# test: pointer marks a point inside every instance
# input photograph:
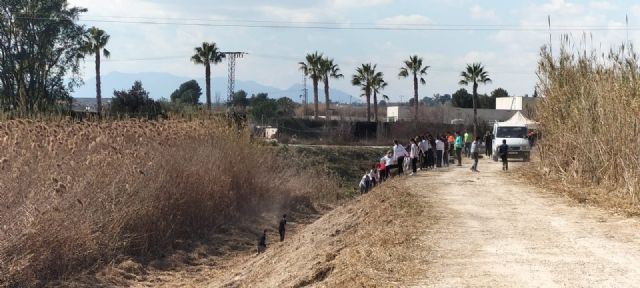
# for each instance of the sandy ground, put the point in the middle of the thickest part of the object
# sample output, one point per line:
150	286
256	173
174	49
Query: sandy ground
492	231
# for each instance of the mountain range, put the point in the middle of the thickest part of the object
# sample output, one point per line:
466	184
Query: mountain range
161	85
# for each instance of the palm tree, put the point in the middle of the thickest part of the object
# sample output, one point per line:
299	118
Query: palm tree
475	74
95	42
364	78
329	70
311	68
378	84
414	67
206	55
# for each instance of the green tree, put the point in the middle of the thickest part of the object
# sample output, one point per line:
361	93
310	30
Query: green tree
39	60
286	107
414	67
95	42
312	69
475	74
499	93
364	78
329	70
134	102
206	55
377	85
188	93
462	99
263	108
239	99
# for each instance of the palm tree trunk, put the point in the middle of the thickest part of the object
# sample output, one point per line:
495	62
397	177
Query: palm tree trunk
415	95
475	109
375	105
316	110
368	95
98	84
327	101
208	84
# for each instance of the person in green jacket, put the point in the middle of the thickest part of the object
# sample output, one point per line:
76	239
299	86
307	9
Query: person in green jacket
458	146
468	138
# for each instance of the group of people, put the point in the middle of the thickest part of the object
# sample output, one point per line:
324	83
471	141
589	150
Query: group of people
262	240
430	152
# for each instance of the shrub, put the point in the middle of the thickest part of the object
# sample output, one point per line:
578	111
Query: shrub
590	118
77	196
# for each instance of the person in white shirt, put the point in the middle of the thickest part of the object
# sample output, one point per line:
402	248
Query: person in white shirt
373	175
363	185
388	164
398	154
439	152
474	154
424	147
414	154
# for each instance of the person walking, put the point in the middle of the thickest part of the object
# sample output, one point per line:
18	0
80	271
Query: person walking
488	144
439	152
504	154
281	226
388	164
475	154
458	146
399	152
414	155
423	147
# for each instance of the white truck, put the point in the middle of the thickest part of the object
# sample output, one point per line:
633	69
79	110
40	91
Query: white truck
516	136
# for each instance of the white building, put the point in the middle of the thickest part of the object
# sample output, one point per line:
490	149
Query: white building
516	103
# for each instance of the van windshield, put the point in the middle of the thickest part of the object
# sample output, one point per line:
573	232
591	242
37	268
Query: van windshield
512	132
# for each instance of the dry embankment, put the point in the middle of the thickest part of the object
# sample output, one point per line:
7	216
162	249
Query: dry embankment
373	241
78	196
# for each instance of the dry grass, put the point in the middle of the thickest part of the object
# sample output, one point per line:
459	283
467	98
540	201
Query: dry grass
78	195
373	241
590	117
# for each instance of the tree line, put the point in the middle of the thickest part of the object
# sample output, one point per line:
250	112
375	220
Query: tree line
41	45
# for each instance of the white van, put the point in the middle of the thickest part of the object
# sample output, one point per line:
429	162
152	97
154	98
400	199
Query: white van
517	139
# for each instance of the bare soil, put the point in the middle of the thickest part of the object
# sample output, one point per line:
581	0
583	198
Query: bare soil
493	231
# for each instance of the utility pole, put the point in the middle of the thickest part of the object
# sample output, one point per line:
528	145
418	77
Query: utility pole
231	58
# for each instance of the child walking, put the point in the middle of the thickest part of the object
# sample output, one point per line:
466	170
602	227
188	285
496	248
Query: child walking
474	154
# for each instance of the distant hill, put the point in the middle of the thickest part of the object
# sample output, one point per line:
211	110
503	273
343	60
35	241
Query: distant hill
161	85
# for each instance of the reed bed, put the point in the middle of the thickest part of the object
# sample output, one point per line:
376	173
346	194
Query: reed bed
78	195
590	115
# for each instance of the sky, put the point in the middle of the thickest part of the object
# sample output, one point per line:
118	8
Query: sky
505	36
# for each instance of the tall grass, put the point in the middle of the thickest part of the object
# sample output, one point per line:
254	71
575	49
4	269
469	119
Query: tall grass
591	119
78	195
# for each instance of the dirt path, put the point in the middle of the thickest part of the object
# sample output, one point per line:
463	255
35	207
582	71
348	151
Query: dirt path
495	232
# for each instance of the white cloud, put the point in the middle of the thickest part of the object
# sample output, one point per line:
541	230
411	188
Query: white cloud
406	20
286	14
480	13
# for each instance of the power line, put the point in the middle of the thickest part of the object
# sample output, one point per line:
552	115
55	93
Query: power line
434	27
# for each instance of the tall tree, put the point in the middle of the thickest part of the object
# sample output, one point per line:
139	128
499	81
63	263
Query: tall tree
377	85
39	59
312	69
329	70
95	42
206	55
475	75
414	67
364	78
188	93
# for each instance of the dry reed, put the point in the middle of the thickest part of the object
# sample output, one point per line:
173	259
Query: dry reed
79	195
590	115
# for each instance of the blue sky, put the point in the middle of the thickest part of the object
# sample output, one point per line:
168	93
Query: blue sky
509	47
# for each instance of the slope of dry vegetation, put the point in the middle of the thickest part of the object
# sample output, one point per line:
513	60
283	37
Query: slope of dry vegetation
78	195
591	123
